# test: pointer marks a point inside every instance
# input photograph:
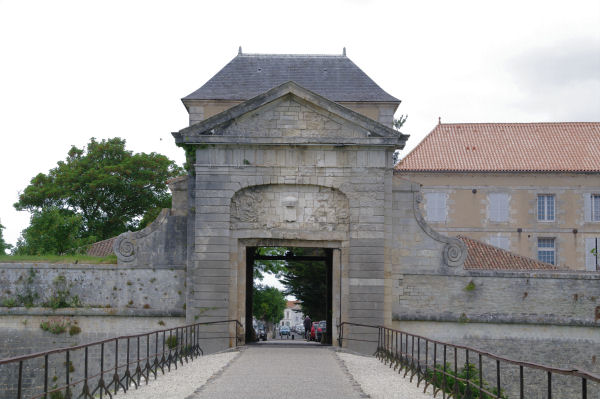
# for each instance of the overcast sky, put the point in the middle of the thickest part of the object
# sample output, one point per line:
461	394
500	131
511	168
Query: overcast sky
71	70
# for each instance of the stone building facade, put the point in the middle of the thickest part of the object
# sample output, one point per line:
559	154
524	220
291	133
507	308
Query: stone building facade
531	188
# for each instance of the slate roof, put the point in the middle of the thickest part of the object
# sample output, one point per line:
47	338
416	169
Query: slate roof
508	147
334	77
482	256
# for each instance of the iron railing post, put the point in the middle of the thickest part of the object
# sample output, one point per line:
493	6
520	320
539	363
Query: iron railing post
498	378
46	376
521	385
68	366
480	376
20	382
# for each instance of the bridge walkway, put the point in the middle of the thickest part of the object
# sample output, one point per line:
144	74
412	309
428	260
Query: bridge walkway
281	369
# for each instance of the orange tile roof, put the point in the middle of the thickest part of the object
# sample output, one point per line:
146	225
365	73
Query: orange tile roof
482	256
101	248
291	304
508	147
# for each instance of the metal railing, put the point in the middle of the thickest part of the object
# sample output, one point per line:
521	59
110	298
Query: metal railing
458	371
112	364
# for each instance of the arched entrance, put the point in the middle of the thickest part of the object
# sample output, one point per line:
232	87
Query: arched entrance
291	216
324	276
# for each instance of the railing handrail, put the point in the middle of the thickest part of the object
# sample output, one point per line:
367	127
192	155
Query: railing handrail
575	372
121	337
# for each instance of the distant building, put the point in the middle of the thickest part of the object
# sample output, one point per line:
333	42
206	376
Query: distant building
292	315
530	188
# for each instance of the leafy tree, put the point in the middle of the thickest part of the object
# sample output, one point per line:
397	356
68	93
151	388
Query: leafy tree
3	244
268	303
275	267
398	123
52	231
307	281
107	186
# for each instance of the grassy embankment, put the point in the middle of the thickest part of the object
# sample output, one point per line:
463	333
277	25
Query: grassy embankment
68	259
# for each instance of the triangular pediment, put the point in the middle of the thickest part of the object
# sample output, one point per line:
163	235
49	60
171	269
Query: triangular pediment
290	114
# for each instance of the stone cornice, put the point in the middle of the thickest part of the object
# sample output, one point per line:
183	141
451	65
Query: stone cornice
203	132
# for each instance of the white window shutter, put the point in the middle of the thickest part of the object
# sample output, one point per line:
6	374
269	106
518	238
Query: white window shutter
587	207
435	206
500	242
590	259
498	207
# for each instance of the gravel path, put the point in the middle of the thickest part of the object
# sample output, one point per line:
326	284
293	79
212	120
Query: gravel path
380	381
281	371
184	381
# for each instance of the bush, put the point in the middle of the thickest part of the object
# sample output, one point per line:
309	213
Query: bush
74	330
10	302
55	326
61	296
469	372
60	325
171	342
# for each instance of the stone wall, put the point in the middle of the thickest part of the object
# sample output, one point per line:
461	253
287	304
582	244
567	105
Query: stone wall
111	288
548	298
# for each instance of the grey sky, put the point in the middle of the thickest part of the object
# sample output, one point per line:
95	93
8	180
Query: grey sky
70	70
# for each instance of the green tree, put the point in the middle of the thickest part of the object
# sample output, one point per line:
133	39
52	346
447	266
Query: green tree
109	187
3	244
275	267
398	123
307	281
268	303
52	231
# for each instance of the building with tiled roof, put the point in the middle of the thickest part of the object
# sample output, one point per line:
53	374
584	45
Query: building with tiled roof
292	315
530	188
508	147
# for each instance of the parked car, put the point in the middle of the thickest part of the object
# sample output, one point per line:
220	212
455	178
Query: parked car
300	329
313	331
284	330
321	330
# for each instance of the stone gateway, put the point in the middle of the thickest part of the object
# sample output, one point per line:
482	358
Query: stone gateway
297	151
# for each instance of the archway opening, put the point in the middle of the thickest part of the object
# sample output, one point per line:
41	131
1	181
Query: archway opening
306	275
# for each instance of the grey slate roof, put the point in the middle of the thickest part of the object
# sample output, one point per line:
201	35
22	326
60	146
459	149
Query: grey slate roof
334	77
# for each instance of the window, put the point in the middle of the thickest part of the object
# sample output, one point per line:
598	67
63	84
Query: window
435	207
498	207
500	242
546	250
545	207
595	207
592	262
